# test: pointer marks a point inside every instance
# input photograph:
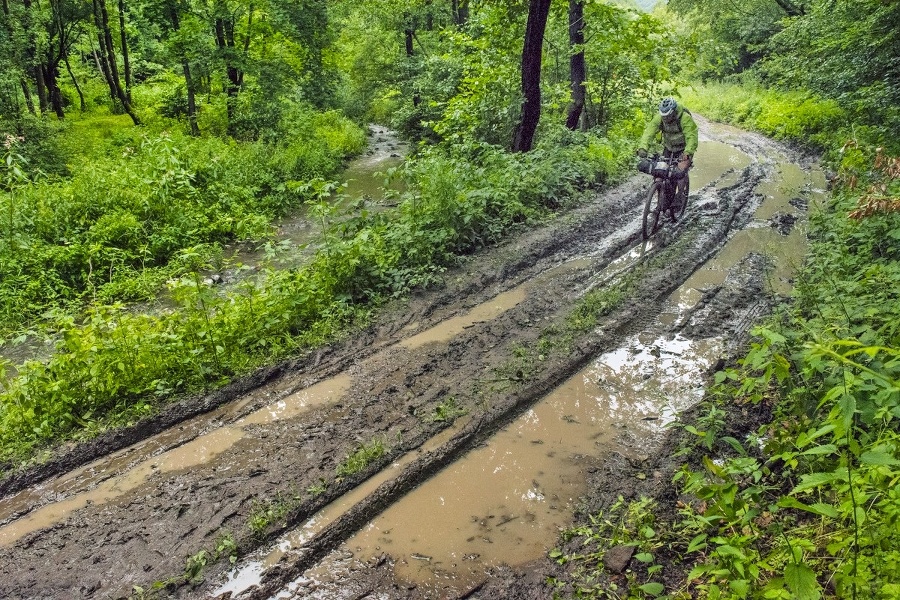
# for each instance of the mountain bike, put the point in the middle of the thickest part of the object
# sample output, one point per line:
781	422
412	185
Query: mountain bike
667	194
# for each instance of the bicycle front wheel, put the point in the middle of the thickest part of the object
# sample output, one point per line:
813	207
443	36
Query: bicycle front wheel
651	209
682	189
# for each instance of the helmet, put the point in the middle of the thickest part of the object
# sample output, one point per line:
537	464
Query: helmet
667	106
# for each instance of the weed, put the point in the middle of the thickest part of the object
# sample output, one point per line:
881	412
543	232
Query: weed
317	488
194	566
361	458
623	524
448	410
265	513
226	546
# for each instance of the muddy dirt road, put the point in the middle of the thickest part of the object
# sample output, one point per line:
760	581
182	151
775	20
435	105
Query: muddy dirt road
493	420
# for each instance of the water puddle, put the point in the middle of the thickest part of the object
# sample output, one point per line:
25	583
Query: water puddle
505	502
199	451
250	573
786	196
715	159
448	329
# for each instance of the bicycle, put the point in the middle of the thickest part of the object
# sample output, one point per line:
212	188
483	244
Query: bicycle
667	194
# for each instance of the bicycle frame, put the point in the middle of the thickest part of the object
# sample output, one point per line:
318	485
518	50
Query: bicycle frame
662	194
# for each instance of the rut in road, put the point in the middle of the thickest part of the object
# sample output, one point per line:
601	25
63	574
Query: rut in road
142	531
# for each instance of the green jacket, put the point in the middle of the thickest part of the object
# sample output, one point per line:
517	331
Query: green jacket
679	136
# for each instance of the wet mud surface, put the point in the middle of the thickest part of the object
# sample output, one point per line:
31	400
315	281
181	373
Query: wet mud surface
436	381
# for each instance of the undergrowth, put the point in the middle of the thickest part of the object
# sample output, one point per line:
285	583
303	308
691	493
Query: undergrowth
116	365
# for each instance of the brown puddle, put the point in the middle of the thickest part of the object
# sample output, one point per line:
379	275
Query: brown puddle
505	502
715	160
251	571
448	329
198	451
789	183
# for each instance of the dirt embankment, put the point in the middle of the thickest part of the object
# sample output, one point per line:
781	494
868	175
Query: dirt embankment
271	448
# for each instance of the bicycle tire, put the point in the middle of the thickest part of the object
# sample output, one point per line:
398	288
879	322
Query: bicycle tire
651	209
679	199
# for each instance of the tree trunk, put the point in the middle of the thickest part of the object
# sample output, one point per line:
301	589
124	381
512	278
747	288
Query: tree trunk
790	8
81	105
188	80
111	61
100	59
531	74
26	91
126	63
460	12
41	85
32	62
577	67
51	76
225	42
409	41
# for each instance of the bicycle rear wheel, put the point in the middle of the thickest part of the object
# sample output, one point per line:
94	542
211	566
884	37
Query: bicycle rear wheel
651	209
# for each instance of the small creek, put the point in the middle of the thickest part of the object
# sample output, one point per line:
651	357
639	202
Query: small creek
293	242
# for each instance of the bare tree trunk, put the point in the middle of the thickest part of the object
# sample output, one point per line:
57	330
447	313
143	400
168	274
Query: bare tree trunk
225	42
125	60
790	8
26	91
51	77
409	41
33	64
41	85
82	105
577	67
111	61
460	12
188	80
538	11
100	60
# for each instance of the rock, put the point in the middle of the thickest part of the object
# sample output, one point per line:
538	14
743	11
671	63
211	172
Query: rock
617	558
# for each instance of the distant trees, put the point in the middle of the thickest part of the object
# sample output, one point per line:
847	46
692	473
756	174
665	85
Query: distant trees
214	45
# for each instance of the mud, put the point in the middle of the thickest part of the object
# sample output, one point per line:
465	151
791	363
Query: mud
396	384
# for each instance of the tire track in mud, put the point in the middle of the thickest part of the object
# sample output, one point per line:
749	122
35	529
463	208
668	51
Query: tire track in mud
632	318
394	390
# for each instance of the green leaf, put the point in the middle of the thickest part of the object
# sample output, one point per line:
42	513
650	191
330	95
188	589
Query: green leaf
644	557
698	543
727	550
823	449
878	456
815	480
825	510
801	581
741	587
652	588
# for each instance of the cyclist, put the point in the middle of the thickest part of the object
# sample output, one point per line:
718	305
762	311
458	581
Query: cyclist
679	134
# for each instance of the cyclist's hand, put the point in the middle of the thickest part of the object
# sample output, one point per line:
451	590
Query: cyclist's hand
642	153
686	157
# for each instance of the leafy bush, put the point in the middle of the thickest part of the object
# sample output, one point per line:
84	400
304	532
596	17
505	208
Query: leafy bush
135	211
793	116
